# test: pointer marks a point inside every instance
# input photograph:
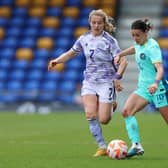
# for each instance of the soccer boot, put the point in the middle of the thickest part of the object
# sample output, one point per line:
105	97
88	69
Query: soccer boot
100	152
136	149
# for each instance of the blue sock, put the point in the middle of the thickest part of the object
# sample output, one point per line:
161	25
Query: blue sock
96	131
132	129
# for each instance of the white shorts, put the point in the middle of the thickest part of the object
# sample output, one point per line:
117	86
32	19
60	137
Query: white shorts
105	92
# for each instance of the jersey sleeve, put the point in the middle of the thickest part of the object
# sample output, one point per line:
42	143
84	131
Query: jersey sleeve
115	49
155	54
77	47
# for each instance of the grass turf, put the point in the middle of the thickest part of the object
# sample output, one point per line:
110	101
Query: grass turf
63	140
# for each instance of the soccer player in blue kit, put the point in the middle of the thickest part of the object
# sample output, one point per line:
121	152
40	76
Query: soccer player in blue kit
101	76
151	85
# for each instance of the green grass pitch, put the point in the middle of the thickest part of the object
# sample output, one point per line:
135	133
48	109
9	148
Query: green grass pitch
63	140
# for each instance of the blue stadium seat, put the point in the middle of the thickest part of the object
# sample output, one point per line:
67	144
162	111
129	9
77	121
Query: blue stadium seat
76	63
35	74
17	21
48	91
7	53
71	74
54	11
17	75
68	22
10	42
45	97
67	86
41	53
49	86
76	3
21	64
33	85
63	42
48	32
31	32
83	22
14	85
6	2
33	22
66	98
85	11
164	53
2	86
13	31
3	22
27	42
52	76
19	11
57	51
66	32
9	98
163	32
5	64
40	64
3	75
31	90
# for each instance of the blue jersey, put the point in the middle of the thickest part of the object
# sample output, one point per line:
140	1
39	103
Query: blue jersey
99	52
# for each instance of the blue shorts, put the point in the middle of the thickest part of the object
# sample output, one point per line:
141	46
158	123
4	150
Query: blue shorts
160	98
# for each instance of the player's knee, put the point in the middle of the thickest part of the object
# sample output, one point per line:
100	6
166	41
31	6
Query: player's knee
125	113
104	120
90	116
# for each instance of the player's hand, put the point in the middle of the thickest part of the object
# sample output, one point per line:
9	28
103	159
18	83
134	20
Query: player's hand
118	86
152	88
117	60
51	64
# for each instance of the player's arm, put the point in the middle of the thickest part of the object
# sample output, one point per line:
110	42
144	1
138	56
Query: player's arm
159	69
159	75
121	69
62	58
128	51
122	66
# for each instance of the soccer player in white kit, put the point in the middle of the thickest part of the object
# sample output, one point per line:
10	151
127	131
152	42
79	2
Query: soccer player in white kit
101	76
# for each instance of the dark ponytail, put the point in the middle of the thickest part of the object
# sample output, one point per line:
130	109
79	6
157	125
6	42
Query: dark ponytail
144	25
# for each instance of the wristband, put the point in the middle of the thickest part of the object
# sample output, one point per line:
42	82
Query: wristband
157	82
117	76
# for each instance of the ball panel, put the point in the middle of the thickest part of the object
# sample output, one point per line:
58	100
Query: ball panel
117	149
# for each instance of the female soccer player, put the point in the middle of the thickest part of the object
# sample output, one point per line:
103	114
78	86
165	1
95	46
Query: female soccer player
151	86
98	90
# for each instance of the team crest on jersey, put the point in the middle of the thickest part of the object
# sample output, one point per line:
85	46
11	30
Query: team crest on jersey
86	44
142	56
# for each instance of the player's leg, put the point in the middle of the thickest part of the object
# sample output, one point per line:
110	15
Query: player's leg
91	107
104	115
161	102
133	104
90	102
107	102
104	112
164	112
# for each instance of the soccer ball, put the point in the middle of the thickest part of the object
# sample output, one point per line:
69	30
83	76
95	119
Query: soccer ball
117	149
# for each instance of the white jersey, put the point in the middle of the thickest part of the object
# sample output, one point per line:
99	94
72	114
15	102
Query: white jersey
99	52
